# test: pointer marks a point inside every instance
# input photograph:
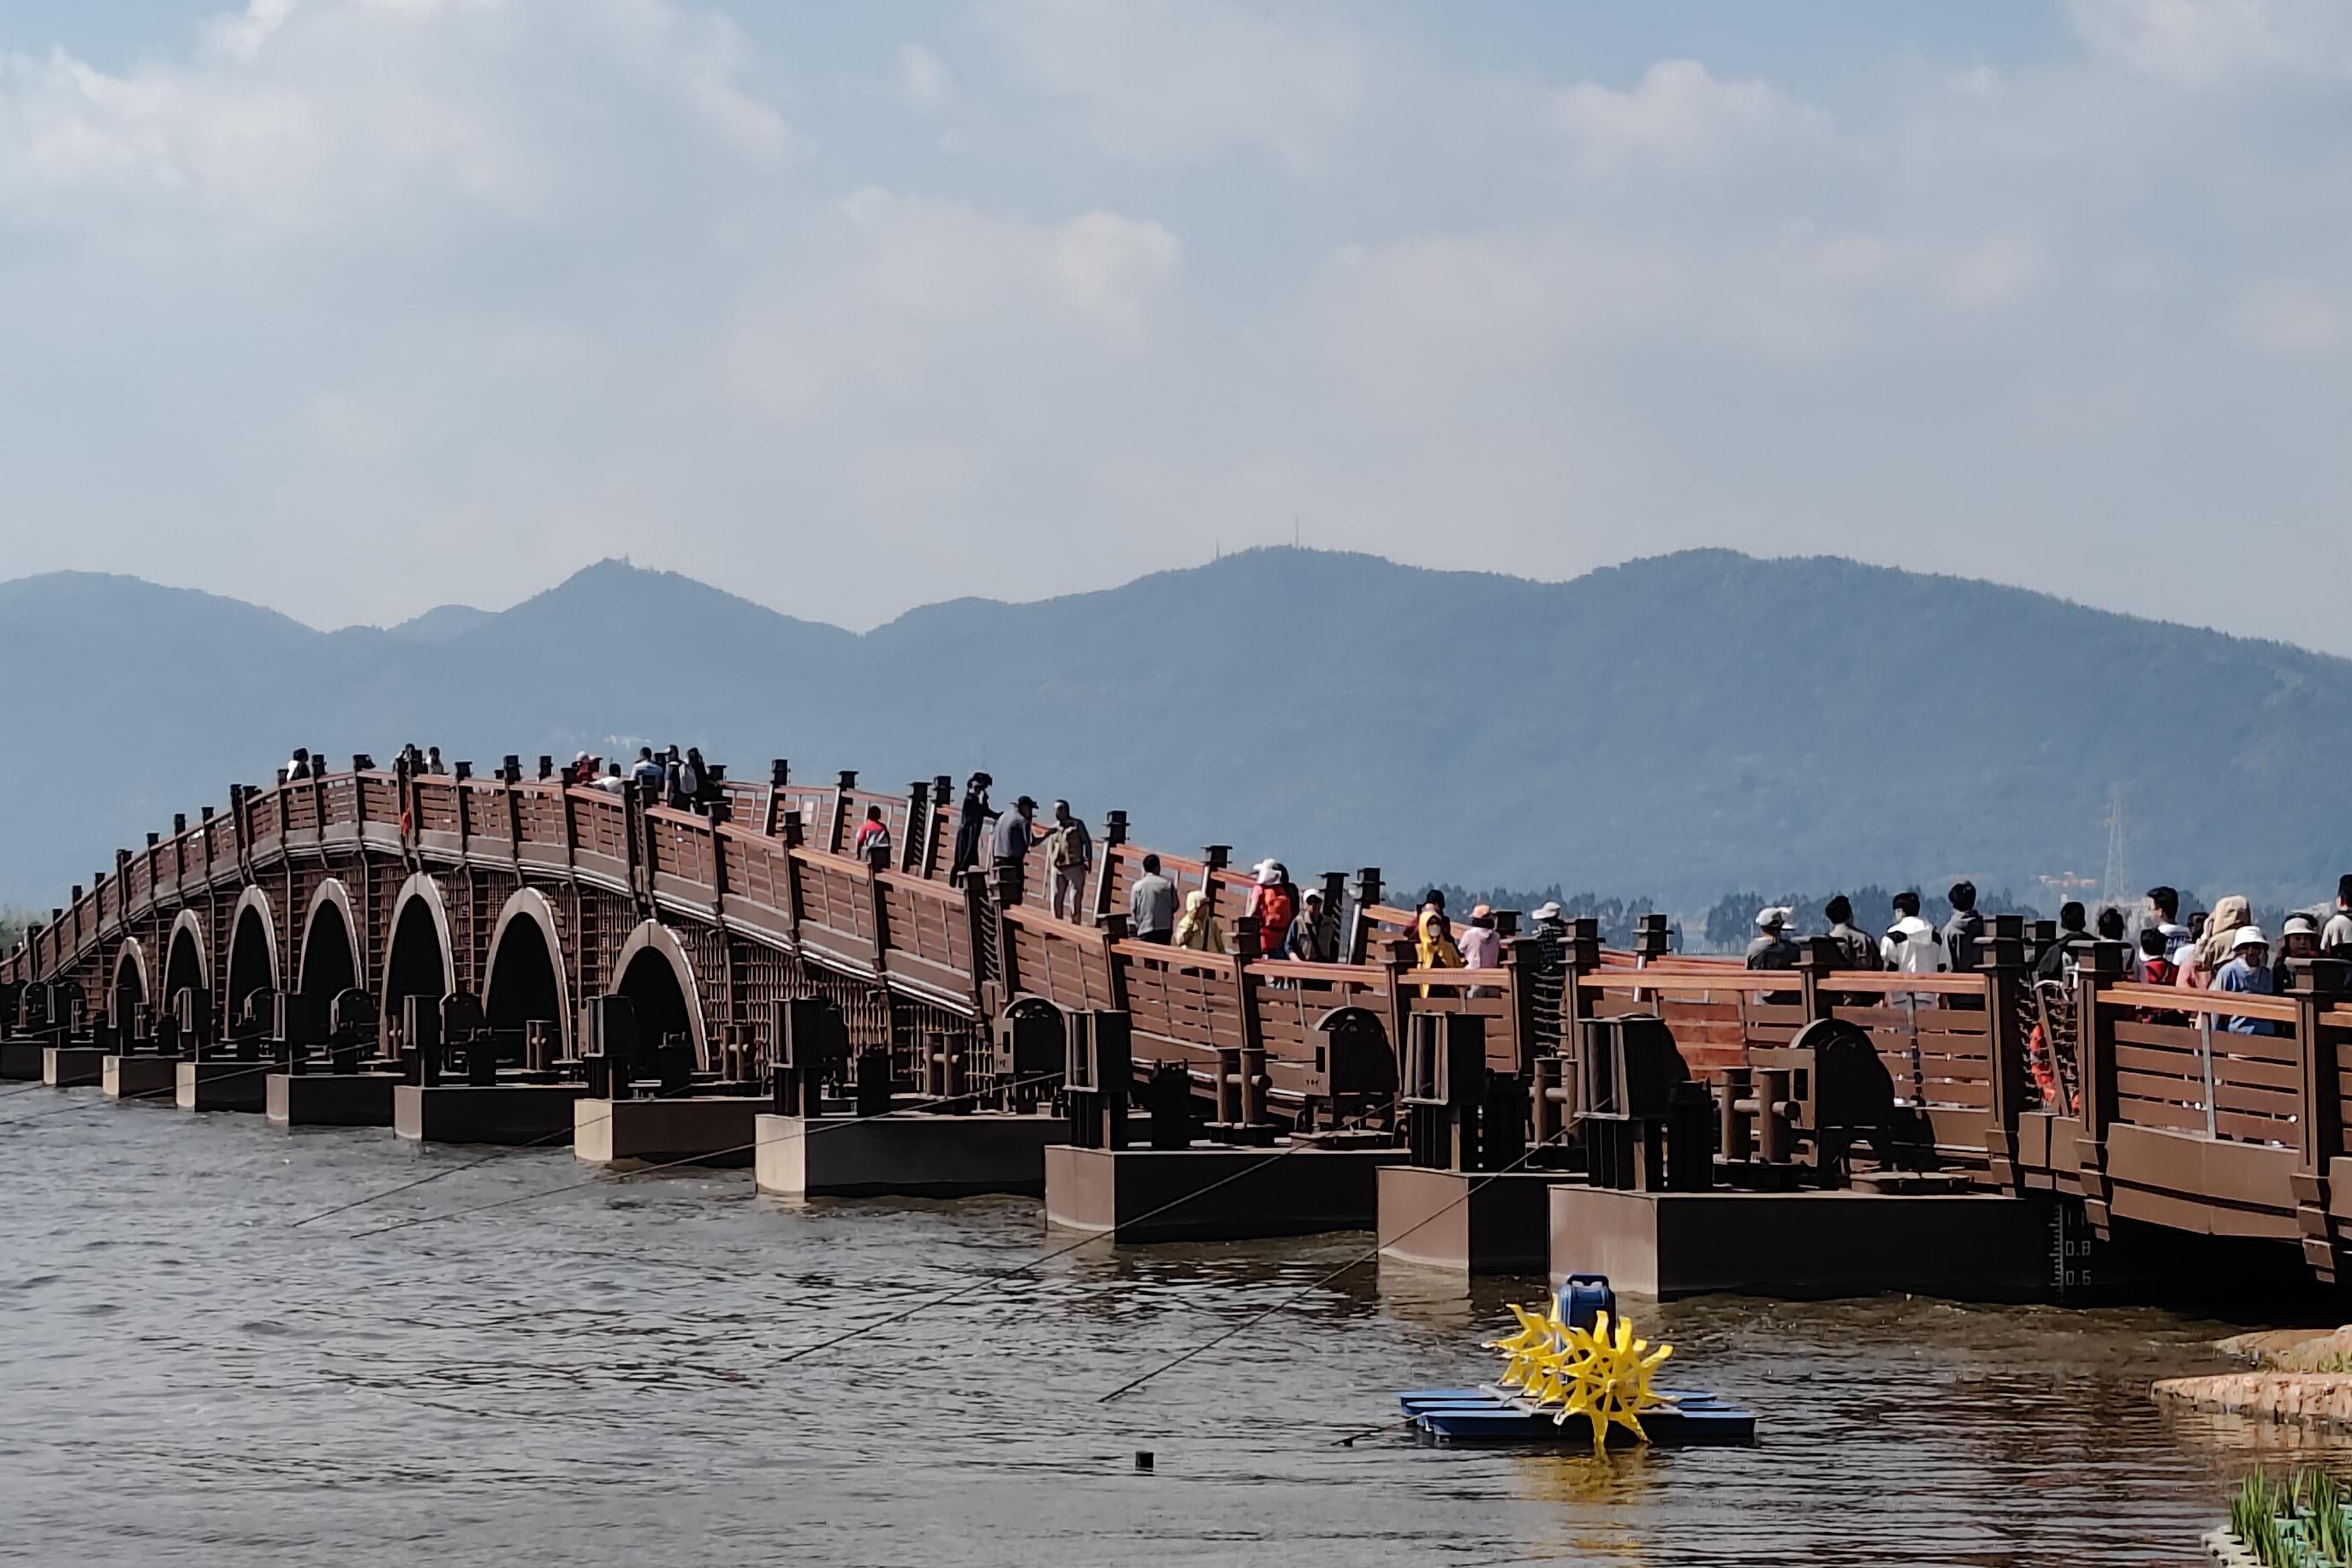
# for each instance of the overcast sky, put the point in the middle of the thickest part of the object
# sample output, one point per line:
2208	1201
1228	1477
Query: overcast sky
354	307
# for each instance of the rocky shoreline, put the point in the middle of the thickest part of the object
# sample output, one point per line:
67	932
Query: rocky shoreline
2299	1374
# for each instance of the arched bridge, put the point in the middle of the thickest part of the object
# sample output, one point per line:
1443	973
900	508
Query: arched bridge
534	898
2208	1112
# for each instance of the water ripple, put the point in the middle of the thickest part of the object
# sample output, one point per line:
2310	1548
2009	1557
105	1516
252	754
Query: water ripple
599	1376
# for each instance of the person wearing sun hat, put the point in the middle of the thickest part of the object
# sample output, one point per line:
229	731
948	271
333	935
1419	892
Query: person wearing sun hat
2248	973
1771	949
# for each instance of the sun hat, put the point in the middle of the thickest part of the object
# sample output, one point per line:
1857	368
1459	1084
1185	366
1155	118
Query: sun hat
2248	936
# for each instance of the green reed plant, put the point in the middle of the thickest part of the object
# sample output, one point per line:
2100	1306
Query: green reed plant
2298	1523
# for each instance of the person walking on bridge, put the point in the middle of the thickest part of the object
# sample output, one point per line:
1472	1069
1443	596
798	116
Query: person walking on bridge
1151	904
1313	938
646	774
971	821
1911	945
2164	916
2248	973
1015	831
1855	948
2336	936
1433	935
873	835
1963	932
2059	959
1198	930
1274	902
2201	961
1070	860
1770	948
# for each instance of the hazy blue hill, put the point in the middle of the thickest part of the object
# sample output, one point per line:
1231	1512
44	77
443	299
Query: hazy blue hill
440	624
1682	725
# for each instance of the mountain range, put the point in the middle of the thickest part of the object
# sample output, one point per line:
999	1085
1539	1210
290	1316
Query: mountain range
1679	725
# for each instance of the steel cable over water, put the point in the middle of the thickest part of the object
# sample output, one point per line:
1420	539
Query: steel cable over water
123	1099
1356	1262
825	1125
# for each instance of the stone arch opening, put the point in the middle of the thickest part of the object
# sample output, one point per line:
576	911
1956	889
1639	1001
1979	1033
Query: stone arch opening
186	966
252	951
127	991
657	977
330	962
526	978
418	961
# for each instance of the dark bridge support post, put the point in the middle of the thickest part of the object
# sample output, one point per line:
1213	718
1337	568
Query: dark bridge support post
1106	897
2094	1025
2320	985
2002	963
1359	929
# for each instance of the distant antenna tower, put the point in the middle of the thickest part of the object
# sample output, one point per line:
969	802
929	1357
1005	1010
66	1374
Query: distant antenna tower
2115	887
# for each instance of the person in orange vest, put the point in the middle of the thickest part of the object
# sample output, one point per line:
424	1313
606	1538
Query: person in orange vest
1276	906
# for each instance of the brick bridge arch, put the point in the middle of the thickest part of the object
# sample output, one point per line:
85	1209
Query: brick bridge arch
526	977
129	979
330	957
252	950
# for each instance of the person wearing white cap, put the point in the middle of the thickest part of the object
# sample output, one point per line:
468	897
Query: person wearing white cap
1274	902
1772	949
2249	974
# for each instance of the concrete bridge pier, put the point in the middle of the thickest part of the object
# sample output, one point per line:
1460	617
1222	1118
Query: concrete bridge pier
518	1113
128	1076
222	1085
73	1067
915	1154
703	1128
330	1099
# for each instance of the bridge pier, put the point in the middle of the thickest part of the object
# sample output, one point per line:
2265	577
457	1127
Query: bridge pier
73	1067
500	1114
329	1099
706	1128
1213	1193
22	1059
1468	1222
1807	1244
127	1077
221	1085
912	1155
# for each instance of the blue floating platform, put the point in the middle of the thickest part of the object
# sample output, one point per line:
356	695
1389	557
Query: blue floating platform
1490	1416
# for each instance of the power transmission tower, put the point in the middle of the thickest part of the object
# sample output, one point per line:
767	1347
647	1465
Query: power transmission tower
2117	890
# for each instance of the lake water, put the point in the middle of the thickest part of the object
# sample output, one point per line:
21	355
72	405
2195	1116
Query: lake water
595	1376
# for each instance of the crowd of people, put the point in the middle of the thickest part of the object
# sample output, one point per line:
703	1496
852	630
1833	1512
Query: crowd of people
2219	950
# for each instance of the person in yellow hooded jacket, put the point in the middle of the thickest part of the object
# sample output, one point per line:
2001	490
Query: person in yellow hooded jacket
1433	935
1197	927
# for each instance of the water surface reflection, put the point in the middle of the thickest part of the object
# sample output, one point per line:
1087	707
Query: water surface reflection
598	1377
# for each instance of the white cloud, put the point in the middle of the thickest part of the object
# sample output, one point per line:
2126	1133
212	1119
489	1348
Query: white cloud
2289	318
531	280
2215	43
294	121
1156	81
1679	118
924	79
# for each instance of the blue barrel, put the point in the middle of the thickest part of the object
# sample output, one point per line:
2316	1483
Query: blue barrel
1584	1298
